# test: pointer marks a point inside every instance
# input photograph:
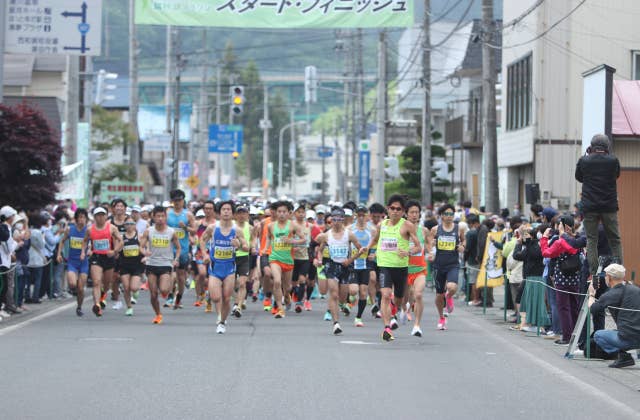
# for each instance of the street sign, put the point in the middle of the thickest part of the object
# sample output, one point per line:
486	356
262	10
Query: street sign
158	143
68	27
192	182
325	152
225	138
265	124
364	146
364	163
184	170
128	191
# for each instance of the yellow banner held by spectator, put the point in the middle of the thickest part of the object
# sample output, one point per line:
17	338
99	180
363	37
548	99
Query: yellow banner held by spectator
491	273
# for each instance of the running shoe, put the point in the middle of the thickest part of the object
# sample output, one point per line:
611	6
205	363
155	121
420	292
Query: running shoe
97	310
266	304
394	324
409	316
135	296
402	316
450	304
254	298
358	322
236	312
274	310
168	302
374	310
307	305
157	319
288	306
243	306
416	331
197	303
103	301
336	329
129	312
327	316
442	324
79	312
177	305
345	310
378	315
209	307
298	308
387	335
280	313
221	328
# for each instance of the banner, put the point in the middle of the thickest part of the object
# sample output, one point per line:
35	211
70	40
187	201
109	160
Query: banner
276	14
491	263
363	179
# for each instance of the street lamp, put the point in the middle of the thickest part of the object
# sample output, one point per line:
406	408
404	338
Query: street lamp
282	130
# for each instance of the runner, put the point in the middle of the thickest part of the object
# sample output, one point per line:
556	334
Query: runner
313	271
449	243
77	268
301	262
361	276
377	214
106	242
221	254
204	218
345	298
417	266
339	241
265	251
183	223
160	258
242	260
392	258
282	236
119	208
131	266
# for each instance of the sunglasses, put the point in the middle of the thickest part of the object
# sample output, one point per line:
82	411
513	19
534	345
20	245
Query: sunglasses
129	223
447	213
394	208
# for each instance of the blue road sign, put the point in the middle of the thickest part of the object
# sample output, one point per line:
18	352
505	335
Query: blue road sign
364	163
325	152
225	138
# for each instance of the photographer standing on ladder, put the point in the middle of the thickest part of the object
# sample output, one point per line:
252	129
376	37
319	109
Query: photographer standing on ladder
598	171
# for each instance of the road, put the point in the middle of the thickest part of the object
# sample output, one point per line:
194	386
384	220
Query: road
64	367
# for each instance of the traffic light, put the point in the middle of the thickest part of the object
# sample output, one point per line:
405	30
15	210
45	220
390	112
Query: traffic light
237	100
235	155
102	87
310	84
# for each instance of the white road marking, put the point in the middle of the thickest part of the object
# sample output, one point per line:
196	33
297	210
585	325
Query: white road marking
359	343
37	318
106	339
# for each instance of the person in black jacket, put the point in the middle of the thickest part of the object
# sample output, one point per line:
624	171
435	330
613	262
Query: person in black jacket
623	302
598	171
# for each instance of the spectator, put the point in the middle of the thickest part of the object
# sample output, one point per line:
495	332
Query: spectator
528	251
536	215
471	257
22	235
7	256
37	260
566	272
598	171
483	232
627	318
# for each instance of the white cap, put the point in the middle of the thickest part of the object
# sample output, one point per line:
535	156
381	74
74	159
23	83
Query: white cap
128	211
200	213
148	208
136	208
253	210
311	214
348	212
8	212
99	210
166	204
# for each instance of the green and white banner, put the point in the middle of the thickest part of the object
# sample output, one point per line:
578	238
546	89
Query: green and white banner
276	13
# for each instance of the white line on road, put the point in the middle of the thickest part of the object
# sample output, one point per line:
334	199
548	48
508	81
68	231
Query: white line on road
37	318
557	372
106	339
359	343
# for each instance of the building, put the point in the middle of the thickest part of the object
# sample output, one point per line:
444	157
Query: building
544	55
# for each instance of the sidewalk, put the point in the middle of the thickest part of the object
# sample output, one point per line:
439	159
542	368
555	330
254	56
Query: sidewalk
629	377
33	310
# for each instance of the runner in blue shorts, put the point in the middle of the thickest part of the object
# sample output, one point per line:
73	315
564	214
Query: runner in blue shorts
77	269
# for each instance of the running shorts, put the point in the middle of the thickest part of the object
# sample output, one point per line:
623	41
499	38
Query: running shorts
158	271
360	277
183	262
264	261
336	271
413	276
394	277
253	262
101	260
242	265
445	275
78	266
131	270
223	270
300	268
313	272
284	267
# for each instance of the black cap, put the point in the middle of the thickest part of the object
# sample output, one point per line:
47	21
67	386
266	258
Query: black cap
338	213
177	194
242	209
362	209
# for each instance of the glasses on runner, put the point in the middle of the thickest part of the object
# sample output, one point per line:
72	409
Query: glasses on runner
448	213
394	208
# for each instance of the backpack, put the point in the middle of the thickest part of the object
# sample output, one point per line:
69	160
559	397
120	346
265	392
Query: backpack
515	268
571	264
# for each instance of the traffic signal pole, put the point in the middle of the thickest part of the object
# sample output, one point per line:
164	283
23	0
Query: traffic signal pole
265	144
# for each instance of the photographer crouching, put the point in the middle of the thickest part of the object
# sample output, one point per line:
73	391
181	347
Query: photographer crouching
598	171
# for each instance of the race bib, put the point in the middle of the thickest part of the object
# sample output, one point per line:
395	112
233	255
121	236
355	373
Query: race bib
447	243
223	253
415	254
101	245
389	244
75	243
160	242
131	251
180	233
360	264
325	252
338	252
280	245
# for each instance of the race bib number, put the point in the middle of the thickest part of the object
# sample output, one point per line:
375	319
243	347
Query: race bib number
338	252
131	251
389	244
180	233
280	245
415	254
160	242
325	252
75	243
360	264
447	243
101	245
223	253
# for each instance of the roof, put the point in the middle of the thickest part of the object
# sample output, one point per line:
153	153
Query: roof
18	68
52	108
625	110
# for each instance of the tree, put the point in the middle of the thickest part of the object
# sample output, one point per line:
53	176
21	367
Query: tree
30	155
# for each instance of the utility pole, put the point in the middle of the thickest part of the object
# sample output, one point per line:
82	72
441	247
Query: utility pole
361	123
168	95
347	108
176	122
265	143
133	86
202	155
378	183
218	122
292	158
3	20
491	199
354	112
425	175
324	173
72	109
339	177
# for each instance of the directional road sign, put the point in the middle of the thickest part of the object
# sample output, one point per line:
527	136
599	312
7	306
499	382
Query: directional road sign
325	152
225	138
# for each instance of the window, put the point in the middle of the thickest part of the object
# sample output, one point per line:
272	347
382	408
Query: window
519	94
635	65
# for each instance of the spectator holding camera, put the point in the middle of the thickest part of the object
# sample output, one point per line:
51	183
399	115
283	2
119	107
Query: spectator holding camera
598	171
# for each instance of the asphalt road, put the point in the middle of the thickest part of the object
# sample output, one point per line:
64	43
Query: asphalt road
64	367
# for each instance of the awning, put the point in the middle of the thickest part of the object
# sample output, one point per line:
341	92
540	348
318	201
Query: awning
625	110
